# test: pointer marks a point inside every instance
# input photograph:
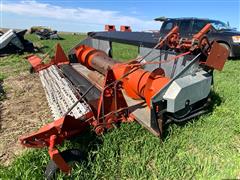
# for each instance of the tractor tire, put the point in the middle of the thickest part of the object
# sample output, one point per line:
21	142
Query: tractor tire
70	156
227	47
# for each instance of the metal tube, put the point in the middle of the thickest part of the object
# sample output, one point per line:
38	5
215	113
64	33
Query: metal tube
94	59
137	82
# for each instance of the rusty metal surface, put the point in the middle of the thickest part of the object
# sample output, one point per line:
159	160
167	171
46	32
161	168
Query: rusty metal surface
94	59
101	62
125	29
110	27
89	75
97	78
217	57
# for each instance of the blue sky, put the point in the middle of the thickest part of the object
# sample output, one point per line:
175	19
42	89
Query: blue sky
88	15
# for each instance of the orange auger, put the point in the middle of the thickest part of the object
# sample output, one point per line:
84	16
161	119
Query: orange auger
137	83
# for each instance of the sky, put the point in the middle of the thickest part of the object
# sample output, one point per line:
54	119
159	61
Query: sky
92	15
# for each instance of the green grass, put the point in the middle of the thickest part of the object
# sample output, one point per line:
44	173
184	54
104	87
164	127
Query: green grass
14	64
206	148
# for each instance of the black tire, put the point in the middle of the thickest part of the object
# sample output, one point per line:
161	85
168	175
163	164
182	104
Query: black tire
227	47
70	156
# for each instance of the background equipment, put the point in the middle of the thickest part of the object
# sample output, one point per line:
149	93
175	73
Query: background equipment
13	42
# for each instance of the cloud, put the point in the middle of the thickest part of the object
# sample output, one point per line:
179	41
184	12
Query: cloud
80	15
134	12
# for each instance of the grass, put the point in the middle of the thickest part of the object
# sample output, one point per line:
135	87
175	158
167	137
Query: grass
206	148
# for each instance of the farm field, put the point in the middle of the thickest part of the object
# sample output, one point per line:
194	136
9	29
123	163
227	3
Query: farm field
206	148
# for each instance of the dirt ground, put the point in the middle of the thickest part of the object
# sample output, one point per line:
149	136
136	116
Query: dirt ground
23	110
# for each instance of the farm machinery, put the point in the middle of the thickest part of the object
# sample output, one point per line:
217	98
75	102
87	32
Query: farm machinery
13	42
169	81
44	33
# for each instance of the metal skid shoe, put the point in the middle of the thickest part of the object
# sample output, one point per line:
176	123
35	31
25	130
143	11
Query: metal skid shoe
54	134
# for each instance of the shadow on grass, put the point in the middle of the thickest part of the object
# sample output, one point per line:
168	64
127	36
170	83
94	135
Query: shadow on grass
60	38
86	142
215	100
233	58
41	49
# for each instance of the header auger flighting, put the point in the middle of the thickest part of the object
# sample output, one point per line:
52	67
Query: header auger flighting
169	81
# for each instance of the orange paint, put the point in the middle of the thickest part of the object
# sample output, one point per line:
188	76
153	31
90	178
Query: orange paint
137	82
